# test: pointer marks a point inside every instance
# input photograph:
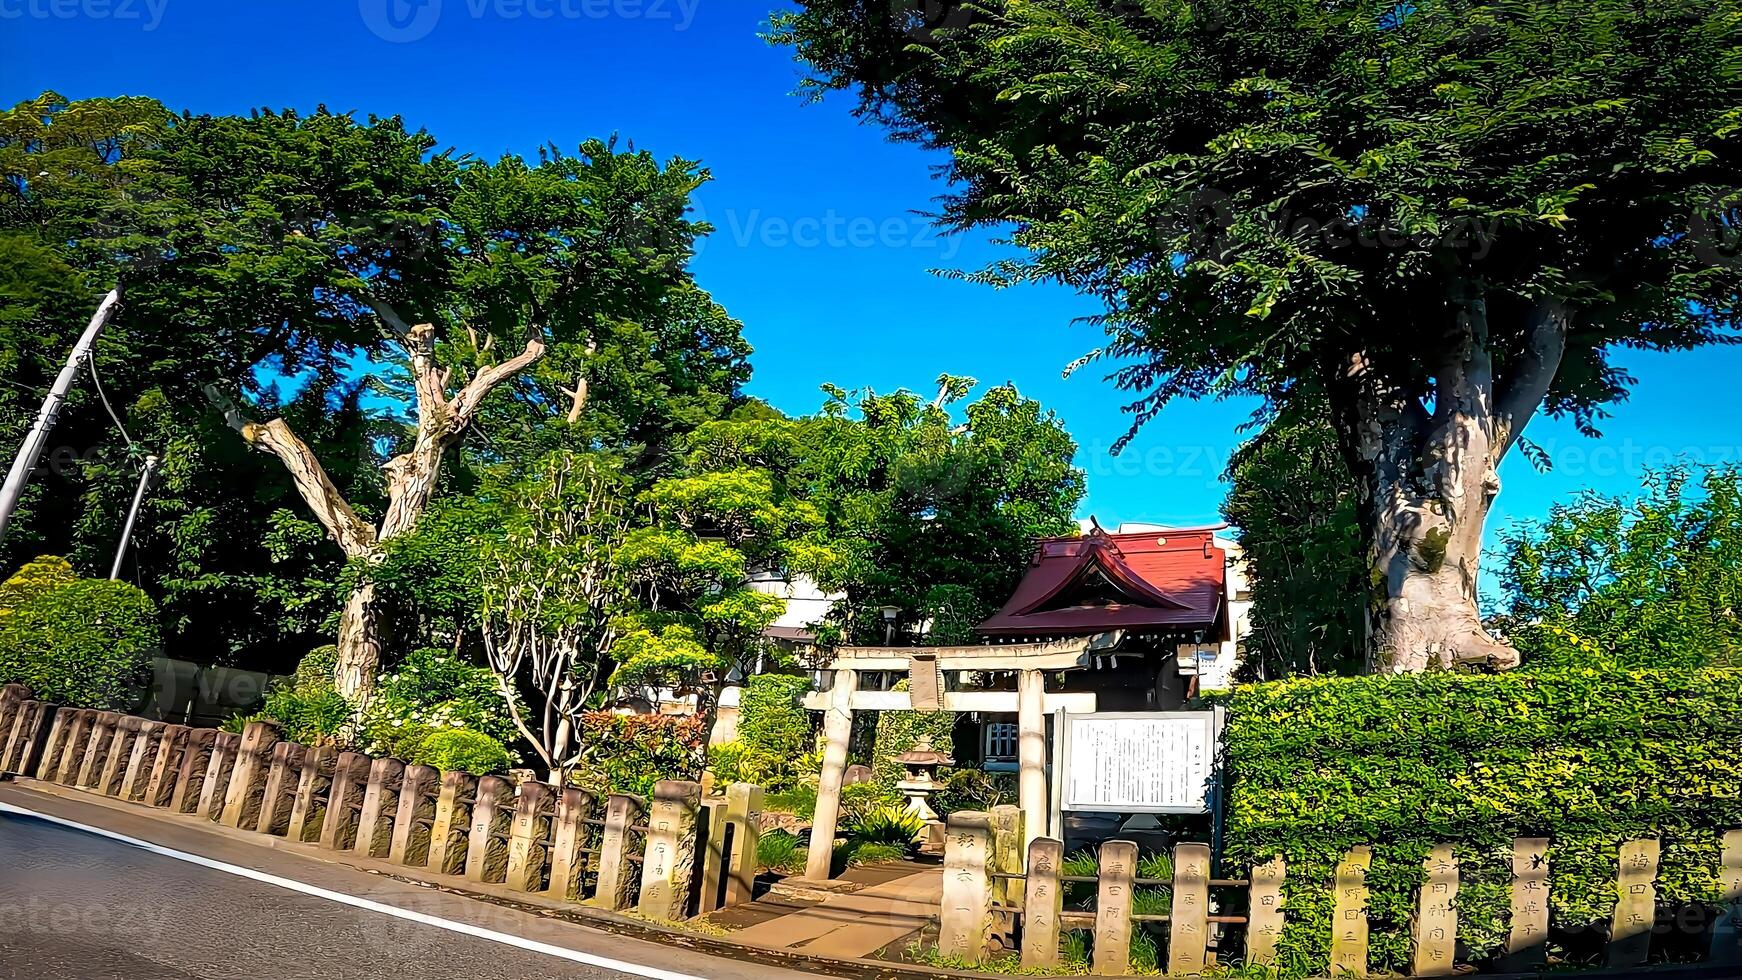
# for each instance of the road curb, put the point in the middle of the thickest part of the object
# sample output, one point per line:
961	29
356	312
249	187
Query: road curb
614	923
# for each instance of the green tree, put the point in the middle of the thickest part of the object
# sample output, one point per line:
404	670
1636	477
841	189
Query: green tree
84	643
218	545
1292	503
541	302
1648	583
908	497
1445	215
551	599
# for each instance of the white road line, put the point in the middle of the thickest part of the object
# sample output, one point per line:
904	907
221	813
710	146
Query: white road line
466	929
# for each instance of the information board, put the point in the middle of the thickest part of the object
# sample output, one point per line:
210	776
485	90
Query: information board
1140	762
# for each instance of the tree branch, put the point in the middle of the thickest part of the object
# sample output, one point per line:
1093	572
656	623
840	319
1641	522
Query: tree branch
323	498
465	404
1527	383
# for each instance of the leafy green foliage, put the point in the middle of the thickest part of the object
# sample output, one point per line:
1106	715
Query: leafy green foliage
1439	216
84	643
462	750
629	753
250	246
1585	757
774	735
432	690
307	708
780	851
1256	189
1654	582
1292	499
887	825
974	789
33	580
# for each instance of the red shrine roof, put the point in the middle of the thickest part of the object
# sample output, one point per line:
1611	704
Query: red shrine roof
1152	580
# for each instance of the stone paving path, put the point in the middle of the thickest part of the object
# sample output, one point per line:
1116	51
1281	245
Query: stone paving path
852	925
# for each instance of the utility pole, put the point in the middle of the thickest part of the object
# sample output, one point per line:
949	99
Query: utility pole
133	515
31	451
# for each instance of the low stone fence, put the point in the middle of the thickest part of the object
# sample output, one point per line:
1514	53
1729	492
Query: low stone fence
994	901
671	857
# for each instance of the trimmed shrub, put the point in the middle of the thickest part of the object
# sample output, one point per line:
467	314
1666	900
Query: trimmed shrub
83	643
33	579
1587	758
462	750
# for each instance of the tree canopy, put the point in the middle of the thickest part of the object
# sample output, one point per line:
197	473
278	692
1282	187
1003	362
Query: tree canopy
1651	582
1440	216
403	297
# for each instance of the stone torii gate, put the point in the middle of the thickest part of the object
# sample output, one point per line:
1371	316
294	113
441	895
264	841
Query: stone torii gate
925	667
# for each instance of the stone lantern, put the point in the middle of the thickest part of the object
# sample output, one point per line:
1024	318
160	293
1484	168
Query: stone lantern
922	762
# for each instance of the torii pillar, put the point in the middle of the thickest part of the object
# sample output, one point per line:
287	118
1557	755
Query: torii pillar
838	731
1032	791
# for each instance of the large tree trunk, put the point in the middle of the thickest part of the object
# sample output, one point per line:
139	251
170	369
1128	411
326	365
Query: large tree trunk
1427	480
411	480
359	656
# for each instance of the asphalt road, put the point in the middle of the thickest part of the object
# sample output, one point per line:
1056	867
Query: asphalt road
77	906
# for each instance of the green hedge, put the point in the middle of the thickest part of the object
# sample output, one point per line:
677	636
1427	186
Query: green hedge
1587	758
83	643
770	717
462	750
774	742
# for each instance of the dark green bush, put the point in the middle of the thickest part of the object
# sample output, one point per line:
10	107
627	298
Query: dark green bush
84	643
1587	758
306	707
461	750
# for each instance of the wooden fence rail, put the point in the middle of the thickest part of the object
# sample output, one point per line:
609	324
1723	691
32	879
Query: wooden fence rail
692	855
989	904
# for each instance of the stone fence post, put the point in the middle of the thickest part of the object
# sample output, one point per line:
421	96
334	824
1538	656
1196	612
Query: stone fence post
569	836
380	808
418	794
246	793
967	903
1042	904
529	836
616	870
744	823
487	845
452	828
669	860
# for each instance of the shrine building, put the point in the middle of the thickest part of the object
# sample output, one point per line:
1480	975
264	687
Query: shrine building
1135	621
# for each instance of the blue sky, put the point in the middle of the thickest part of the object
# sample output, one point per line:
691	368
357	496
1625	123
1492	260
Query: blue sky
818	249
